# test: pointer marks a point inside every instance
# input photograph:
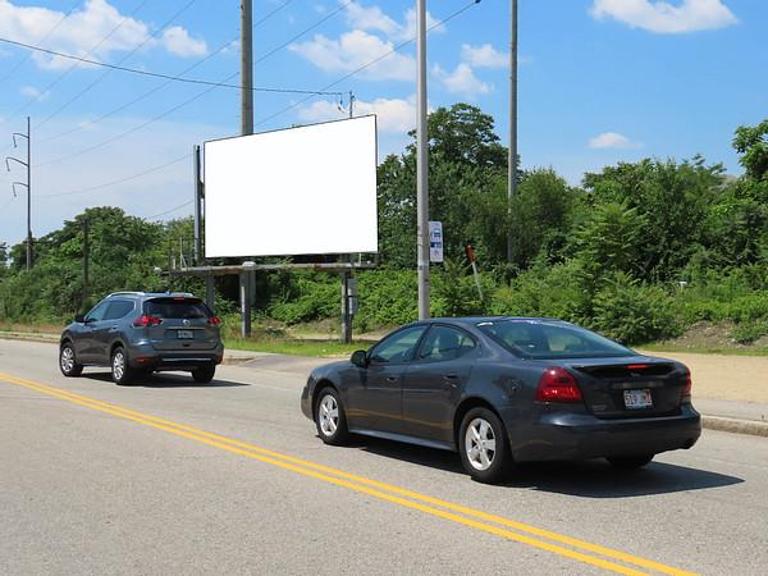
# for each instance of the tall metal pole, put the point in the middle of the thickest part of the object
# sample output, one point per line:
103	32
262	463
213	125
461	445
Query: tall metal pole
86	257
422	167
512	159
198	241
29	194
246	96
246	65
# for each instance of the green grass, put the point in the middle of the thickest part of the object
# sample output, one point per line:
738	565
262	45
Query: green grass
316	348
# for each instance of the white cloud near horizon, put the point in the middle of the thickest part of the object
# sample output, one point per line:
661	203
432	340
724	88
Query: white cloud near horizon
178	41
97	29
612	141
665	17
461	81
355	49
485	56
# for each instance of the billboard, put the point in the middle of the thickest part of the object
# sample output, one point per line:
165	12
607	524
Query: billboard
304	190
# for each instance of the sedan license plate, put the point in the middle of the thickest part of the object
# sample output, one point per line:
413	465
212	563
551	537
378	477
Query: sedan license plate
636	399
185	334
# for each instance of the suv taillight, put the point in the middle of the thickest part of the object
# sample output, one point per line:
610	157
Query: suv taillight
685	394
214	320
146	320
558	385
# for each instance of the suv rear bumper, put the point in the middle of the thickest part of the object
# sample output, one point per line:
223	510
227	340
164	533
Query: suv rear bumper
564	436
148	358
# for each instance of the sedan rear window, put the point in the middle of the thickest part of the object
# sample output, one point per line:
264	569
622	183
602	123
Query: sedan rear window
177	308
543	340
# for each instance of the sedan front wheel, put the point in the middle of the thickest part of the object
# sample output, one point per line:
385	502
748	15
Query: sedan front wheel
330	420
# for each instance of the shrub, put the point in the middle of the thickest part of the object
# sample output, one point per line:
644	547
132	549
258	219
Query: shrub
631	312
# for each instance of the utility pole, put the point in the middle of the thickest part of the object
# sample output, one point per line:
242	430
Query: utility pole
422	168
246	65
512	160
27	185
351	105
246	95
86	257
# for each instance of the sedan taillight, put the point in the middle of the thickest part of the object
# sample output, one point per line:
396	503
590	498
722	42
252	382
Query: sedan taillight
147	320
558	385
685	395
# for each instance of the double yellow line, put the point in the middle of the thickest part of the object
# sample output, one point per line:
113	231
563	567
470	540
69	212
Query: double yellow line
607	558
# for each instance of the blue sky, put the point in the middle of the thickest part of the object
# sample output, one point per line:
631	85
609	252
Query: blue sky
601	81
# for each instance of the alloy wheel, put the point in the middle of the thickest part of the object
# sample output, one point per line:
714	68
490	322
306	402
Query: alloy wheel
328	414
480	444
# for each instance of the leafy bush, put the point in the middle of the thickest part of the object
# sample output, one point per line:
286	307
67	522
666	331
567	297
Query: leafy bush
631	312
748	332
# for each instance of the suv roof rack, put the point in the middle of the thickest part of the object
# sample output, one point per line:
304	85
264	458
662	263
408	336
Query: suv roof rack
125	293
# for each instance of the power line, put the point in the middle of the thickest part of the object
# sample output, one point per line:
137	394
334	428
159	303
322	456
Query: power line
144	124
179	207
158	74
120	180
107	72
159	87
64	74
45	37
356	71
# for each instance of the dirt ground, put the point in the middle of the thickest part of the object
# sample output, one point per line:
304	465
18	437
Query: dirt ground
720	377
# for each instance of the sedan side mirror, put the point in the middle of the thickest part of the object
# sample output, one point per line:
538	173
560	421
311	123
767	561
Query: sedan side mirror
360	358
80	318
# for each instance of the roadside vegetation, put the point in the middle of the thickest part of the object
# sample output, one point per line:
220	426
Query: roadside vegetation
644	252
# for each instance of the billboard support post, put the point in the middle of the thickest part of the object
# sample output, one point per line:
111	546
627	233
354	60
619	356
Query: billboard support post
245	303
210	292
198	247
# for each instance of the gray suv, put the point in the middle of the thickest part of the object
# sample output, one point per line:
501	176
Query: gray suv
137	333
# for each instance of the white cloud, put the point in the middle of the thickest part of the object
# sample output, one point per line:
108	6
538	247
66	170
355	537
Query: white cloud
394	115
33	93
667	18
485	56
178	41
612	140
373	18
461	81
355	49
97	29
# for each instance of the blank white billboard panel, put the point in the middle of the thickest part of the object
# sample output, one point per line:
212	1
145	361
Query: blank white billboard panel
306	190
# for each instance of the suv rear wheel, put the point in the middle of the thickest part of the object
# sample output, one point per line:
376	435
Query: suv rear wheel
204	374
122	374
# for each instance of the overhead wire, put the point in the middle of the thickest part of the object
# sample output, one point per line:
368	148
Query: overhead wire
40	40
128	55
376	60
66	73
159	87
171	211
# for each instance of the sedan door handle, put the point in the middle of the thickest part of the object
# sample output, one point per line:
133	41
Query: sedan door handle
392	378
450	377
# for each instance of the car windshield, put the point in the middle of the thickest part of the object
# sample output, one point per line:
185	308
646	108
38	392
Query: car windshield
177	308
538	339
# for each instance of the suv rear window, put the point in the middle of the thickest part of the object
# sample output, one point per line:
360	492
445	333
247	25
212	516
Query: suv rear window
177	308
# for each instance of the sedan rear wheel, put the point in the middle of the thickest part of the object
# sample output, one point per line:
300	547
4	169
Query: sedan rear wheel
483	446
330	419
67	361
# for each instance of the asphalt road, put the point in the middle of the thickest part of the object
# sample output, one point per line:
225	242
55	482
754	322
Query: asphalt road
169	477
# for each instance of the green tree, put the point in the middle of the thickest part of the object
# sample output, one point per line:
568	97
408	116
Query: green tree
752	143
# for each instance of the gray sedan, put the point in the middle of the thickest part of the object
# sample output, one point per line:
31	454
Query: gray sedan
506	390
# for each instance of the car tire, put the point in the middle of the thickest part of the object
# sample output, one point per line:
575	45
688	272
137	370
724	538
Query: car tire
68	361
204	374
122	374
630	462
330	420
484	446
